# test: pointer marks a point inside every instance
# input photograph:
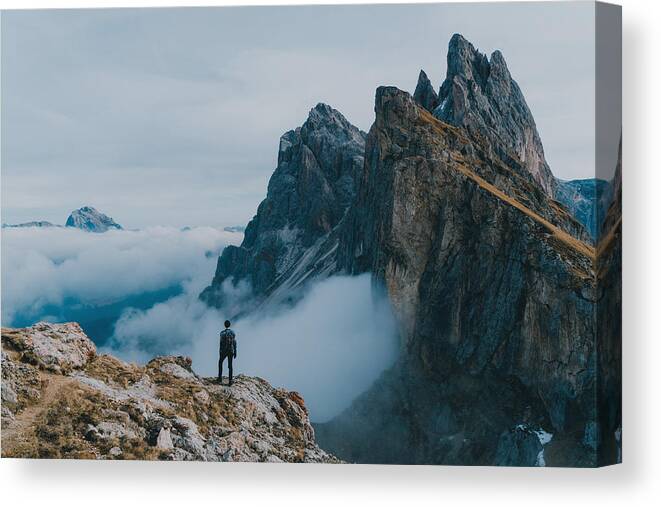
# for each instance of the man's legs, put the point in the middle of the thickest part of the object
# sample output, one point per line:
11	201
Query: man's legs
229	365
220	369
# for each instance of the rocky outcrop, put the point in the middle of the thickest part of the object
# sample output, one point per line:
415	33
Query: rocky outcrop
480	95
495	301
424	94
59	348
60	399
293	236
586	200
90	220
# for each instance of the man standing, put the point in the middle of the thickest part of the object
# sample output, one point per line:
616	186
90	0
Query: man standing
227	350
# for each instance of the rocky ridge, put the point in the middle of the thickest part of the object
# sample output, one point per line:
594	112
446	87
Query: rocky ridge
60	399
86	218
480	95
35	223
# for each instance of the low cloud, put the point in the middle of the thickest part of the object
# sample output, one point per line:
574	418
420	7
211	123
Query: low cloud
46	269
330	347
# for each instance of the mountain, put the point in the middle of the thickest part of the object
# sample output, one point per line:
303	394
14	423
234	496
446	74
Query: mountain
60	399
90	220
480	95
584	200
494	283
495	304
36	223
293	236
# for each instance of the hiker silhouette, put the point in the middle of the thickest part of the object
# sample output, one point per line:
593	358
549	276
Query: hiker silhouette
227	351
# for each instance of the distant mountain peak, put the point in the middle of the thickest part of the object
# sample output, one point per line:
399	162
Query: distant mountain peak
90	219
34	223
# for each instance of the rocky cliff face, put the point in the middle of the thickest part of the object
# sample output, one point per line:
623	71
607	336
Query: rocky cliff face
480	95
90	220
495	303
60	399
293	236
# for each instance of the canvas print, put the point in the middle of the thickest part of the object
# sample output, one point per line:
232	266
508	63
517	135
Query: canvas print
383	234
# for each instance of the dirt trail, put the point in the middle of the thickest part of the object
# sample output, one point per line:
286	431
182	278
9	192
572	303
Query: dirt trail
22	426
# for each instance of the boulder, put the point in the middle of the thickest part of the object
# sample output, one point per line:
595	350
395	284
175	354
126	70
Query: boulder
54	347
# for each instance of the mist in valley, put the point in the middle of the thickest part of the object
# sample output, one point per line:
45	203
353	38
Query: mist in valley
136	295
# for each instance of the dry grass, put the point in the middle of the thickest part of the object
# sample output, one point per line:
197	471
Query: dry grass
112	371
558	234
563	237
441	127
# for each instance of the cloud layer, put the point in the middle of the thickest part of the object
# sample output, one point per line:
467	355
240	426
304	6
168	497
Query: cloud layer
47	268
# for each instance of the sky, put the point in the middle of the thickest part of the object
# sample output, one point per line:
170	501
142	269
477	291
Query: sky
172	116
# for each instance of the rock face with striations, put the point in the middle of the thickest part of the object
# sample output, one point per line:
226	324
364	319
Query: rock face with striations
480	95
60	399
293	236
90	220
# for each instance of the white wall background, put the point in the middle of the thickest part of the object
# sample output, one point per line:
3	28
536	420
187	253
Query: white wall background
636	482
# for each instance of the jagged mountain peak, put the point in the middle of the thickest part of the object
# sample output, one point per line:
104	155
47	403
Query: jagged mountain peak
324	110
424	94
468	62
319	164
465	61
323	123
323	116
480	95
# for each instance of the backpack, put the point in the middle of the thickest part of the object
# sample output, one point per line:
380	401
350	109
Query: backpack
227	341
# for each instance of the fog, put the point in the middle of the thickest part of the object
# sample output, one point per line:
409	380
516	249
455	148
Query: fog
330	347
52	273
